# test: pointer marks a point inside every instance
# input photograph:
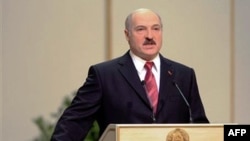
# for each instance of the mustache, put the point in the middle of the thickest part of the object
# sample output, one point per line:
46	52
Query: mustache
149	42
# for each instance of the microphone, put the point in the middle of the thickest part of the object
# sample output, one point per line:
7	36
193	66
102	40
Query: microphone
143	83
183	97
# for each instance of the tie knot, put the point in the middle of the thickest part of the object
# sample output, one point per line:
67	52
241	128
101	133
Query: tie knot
149	65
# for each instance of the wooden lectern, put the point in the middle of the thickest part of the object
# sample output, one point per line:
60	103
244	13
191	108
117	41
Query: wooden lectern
159	132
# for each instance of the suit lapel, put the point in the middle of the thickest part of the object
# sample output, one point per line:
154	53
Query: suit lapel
129	73
166	81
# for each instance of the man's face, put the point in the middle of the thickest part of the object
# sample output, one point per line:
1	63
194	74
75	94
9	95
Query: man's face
145	34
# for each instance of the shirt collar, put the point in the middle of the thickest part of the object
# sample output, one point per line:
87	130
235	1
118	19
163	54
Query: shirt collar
140	62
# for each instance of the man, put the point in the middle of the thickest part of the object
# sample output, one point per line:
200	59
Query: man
117	91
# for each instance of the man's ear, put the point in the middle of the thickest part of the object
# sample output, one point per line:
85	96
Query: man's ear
126	32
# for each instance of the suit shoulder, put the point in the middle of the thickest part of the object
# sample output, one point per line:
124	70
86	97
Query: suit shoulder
124	59
108	63
176	64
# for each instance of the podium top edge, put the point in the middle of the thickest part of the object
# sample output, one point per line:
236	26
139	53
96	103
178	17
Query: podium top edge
170	125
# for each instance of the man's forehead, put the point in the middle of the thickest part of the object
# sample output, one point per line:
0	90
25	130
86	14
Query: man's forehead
146	21
144	17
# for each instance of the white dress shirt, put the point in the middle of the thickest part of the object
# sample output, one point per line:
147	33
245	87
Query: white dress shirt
139	65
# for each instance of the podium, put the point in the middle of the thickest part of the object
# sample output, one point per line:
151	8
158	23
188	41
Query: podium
160	132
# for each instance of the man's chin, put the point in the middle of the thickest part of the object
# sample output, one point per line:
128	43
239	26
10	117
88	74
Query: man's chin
149	55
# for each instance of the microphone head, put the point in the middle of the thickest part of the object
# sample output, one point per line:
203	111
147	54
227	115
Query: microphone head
143	82
174	82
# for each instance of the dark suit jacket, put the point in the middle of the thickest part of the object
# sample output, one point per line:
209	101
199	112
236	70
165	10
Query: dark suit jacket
113	93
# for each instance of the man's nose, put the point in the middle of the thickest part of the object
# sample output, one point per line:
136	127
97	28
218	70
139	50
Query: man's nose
149	34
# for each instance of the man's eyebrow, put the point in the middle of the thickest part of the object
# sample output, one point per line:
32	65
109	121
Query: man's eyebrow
140	26
157	25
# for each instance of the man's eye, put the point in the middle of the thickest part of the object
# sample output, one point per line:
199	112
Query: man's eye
139	29
157	28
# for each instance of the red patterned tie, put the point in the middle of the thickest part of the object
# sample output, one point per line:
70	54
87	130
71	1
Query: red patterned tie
151	85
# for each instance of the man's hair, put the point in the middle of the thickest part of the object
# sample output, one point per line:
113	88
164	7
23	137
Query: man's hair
128	20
